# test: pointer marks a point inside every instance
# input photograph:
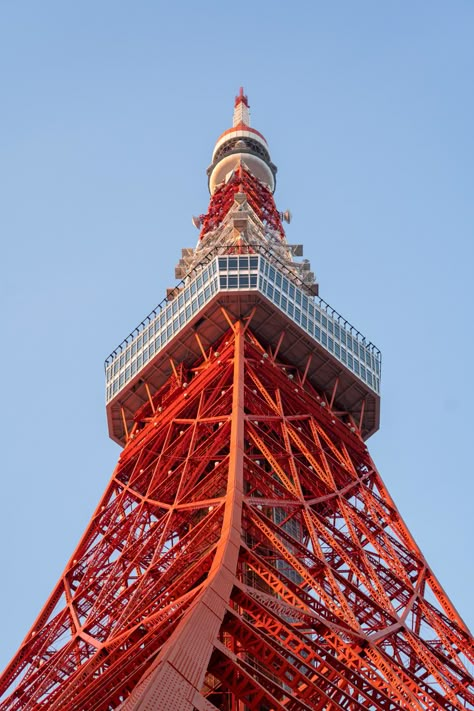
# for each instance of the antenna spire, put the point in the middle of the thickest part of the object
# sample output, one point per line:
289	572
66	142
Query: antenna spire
241	109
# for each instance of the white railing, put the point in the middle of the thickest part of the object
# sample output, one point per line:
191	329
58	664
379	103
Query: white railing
260	272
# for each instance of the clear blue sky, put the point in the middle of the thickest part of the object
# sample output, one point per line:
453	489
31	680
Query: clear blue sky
109	115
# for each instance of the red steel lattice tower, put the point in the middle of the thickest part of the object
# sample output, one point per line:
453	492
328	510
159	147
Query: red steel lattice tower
246	554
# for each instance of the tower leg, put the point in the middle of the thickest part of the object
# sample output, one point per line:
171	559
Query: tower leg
175	679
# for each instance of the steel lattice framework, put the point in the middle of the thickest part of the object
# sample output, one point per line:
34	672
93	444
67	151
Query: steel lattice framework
246	554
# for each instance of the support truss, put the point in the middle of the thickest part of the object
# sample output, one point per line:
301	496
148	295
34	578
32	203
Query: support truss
246	555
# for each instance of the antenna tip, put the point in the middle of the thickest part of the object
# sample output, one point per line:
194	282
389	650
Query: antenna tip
241	98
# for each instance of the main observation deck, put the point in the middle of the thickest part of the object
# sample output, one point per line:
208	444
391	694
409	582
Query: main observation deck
338	360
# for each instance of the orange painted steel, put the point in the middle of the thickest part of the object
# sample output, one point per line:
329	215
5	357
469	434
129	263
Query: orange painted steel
259	197
246	555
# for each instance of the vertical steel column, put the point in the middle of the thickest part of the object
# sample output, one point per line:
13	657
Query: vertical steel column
178	674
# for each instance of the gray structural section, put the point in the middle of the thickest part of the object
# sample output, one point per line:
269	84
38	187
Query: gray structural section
342	364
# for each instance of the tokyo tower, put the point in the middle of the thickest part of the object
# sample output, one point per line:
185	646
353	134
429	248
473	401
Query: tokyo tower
246	554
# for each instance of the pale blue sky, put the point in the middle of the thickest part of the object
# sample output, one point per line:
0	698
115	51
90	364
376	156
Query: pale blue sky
109	115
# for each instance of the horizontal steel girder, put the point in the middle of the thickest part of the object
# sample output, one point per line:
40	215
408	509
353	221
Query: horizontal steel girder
246	551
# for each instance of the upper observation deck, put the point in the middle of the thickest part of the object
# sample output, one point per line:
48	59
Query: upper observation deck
242	267
280	304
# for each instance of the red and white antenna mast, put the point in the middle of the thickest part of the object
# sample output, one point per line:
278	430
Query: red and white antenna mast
241	110
246	554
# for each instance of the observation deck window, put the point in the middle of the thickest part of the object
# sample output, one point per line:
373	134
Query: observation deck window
244	272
